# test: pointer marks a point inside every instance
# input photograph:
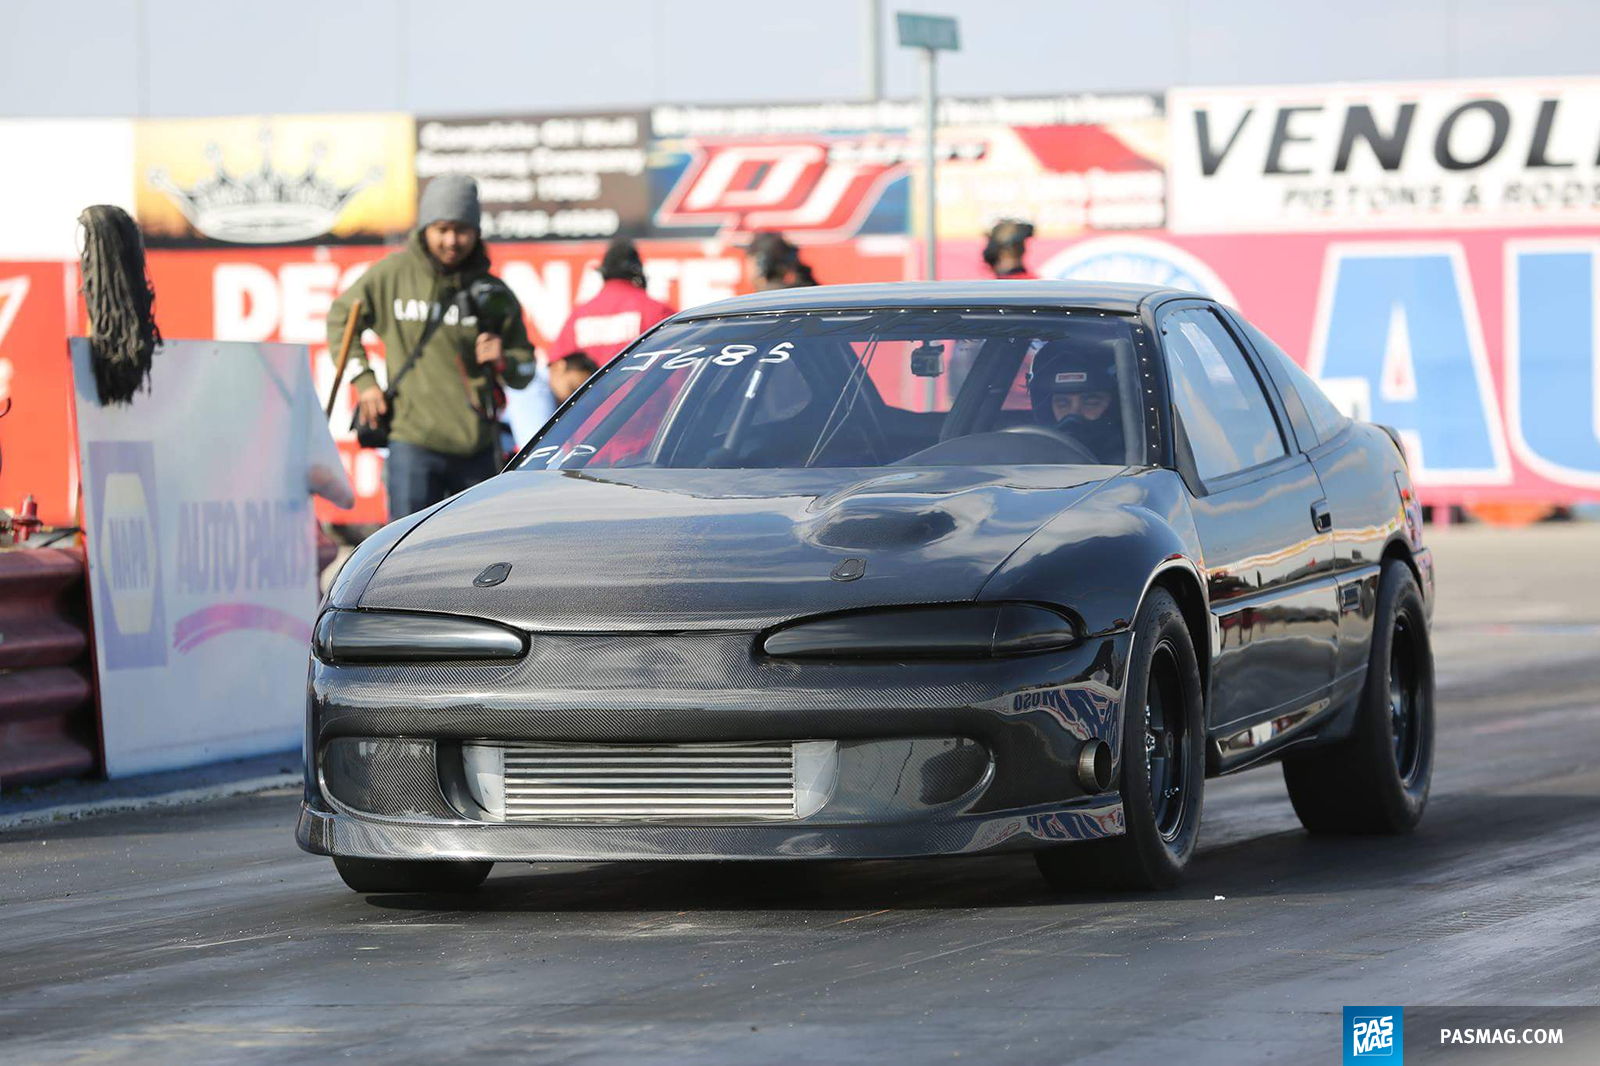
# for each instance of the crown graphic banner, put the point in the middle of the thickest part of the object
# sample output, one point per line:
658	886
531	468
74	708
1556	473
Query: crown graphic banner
264	206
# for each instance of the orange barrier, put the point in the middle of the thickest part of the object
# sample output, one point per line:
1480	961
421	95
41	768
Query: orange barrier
46	676
1511	513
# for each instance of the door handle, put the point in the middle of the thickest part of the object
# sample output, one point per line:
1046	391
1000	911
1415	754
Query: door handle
1321	517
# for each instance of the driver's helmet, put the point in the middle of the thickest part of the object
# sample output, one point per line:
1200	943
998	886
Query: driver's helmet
1072	387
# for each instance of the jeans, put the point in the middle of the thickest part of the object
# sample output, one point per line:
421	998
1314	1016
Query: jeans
419	477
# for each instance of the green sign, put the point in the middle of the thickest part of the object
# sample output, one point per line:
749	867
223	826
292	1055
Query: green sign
935	32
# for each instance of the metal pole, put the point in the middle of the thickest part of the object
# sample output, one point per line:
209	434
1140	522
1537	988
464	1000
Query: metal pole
930	105
872	43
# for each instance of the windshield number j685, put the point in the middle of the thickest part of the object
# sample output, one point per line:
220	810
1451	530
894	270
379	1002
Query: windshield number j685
682	358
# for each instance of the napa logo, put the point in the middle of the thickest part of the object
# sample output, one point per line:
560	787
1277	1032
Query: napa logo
126	549
1374	1034
1138	261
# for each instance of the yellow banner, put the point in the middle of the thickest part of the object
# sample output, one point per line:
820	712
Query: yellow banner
269	179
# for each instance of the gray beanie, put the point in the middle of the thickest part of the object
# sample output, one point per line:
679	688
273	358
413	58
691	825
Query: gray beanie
450	198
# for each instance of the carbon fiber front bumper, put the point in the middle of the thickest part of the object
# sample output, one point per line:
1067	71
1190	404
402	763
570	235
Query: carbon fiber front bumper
1028	718
327	833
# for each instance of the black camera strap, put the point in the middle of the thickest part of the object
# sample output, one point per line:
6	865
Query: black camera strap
376	435
416	354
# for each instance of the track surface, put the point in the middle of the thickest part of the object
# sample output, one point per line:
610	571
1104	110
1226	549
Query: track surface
202	933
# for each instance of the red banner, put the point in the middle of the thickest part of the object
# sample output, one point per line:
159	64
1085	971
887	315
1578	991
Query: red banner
1479	346
36	456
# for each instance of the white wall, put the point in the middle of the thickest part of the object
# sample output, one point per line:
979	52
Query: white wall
50	170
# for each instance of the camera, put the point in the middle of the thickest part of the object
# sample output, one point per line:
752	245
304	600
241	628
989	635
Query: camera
492	302
927	360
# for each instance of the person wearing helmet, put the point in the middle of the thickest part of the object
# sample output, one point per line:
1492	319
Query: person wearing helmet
1073	388
1008	243
771	262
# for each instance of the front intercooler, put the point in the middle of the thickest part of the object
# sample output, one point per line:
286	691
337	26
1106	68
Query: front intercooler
542	782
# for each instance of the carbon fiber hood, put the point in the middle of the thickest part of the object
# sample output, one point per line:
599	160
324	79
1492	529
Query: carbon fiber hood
653	550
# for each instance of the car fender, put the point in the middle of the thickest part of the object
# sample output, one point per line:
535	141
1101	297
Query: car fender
1100	557
357	571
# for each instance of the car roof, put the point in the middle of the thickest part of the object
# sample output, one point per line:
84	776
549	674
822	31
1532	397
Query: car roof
1077	295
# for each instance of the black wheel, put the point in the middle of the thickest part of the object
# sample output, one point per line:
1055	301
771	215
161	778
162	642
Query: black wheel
1377	780
403	875
1163	765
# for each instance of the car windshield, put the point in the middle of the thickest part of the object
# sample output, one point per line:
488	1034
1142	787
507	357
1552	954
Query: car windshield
926	387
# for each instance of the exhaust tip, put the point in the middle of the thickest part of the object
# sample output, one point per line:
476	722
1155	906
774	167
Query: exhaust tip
1094	765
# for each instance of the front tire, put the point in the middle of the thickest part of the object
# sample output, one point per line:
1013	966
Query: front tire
402	875
1163	765
1377	781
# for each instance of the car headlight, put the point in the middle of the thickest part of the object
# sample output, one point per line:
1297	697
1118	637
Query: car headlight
969	631
409	636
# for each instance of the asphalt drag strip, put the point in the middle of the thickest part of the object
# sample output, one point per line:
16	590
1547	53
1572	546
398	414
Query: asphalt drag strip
202	932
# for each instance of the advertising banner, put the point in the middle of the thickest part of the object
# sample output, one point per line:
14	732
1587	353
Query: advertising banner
1506	153
567	177
832	171
1479	346
36	456
201	550
1423	247
274	179
1096	165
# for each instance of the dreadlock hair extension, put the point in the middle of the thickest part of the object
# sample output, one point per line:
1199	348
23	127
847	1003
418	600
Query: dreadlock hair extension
122	327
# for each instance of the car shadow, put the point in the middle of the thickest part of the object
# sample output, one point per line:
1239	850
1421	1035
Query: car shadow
1462	838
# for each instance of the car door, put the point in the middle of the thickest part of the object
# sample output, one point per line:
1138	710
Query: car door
1362	497
1264	531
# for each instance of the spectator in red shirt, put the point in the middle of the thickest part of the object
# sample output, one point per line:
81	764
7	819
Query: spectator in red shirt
619	312
1008	243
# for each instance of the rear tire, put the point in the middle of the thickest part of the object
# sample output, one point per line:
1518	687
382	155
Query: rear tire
403	875
1163	741
1377	780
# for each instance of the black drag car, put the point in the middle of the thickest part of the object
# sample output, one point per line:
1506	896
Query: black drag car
882	571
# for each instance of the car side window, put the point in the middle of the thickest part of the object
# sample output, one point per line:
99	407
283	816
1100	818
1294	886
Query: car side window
1326	419
1225	412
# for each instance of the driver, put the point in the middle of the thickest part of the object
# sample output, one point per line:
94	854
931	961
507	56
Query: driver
1073	389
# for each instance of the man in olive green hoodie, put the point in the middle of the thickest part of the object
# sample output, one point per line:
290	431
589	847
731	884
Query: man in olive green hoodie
444	435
